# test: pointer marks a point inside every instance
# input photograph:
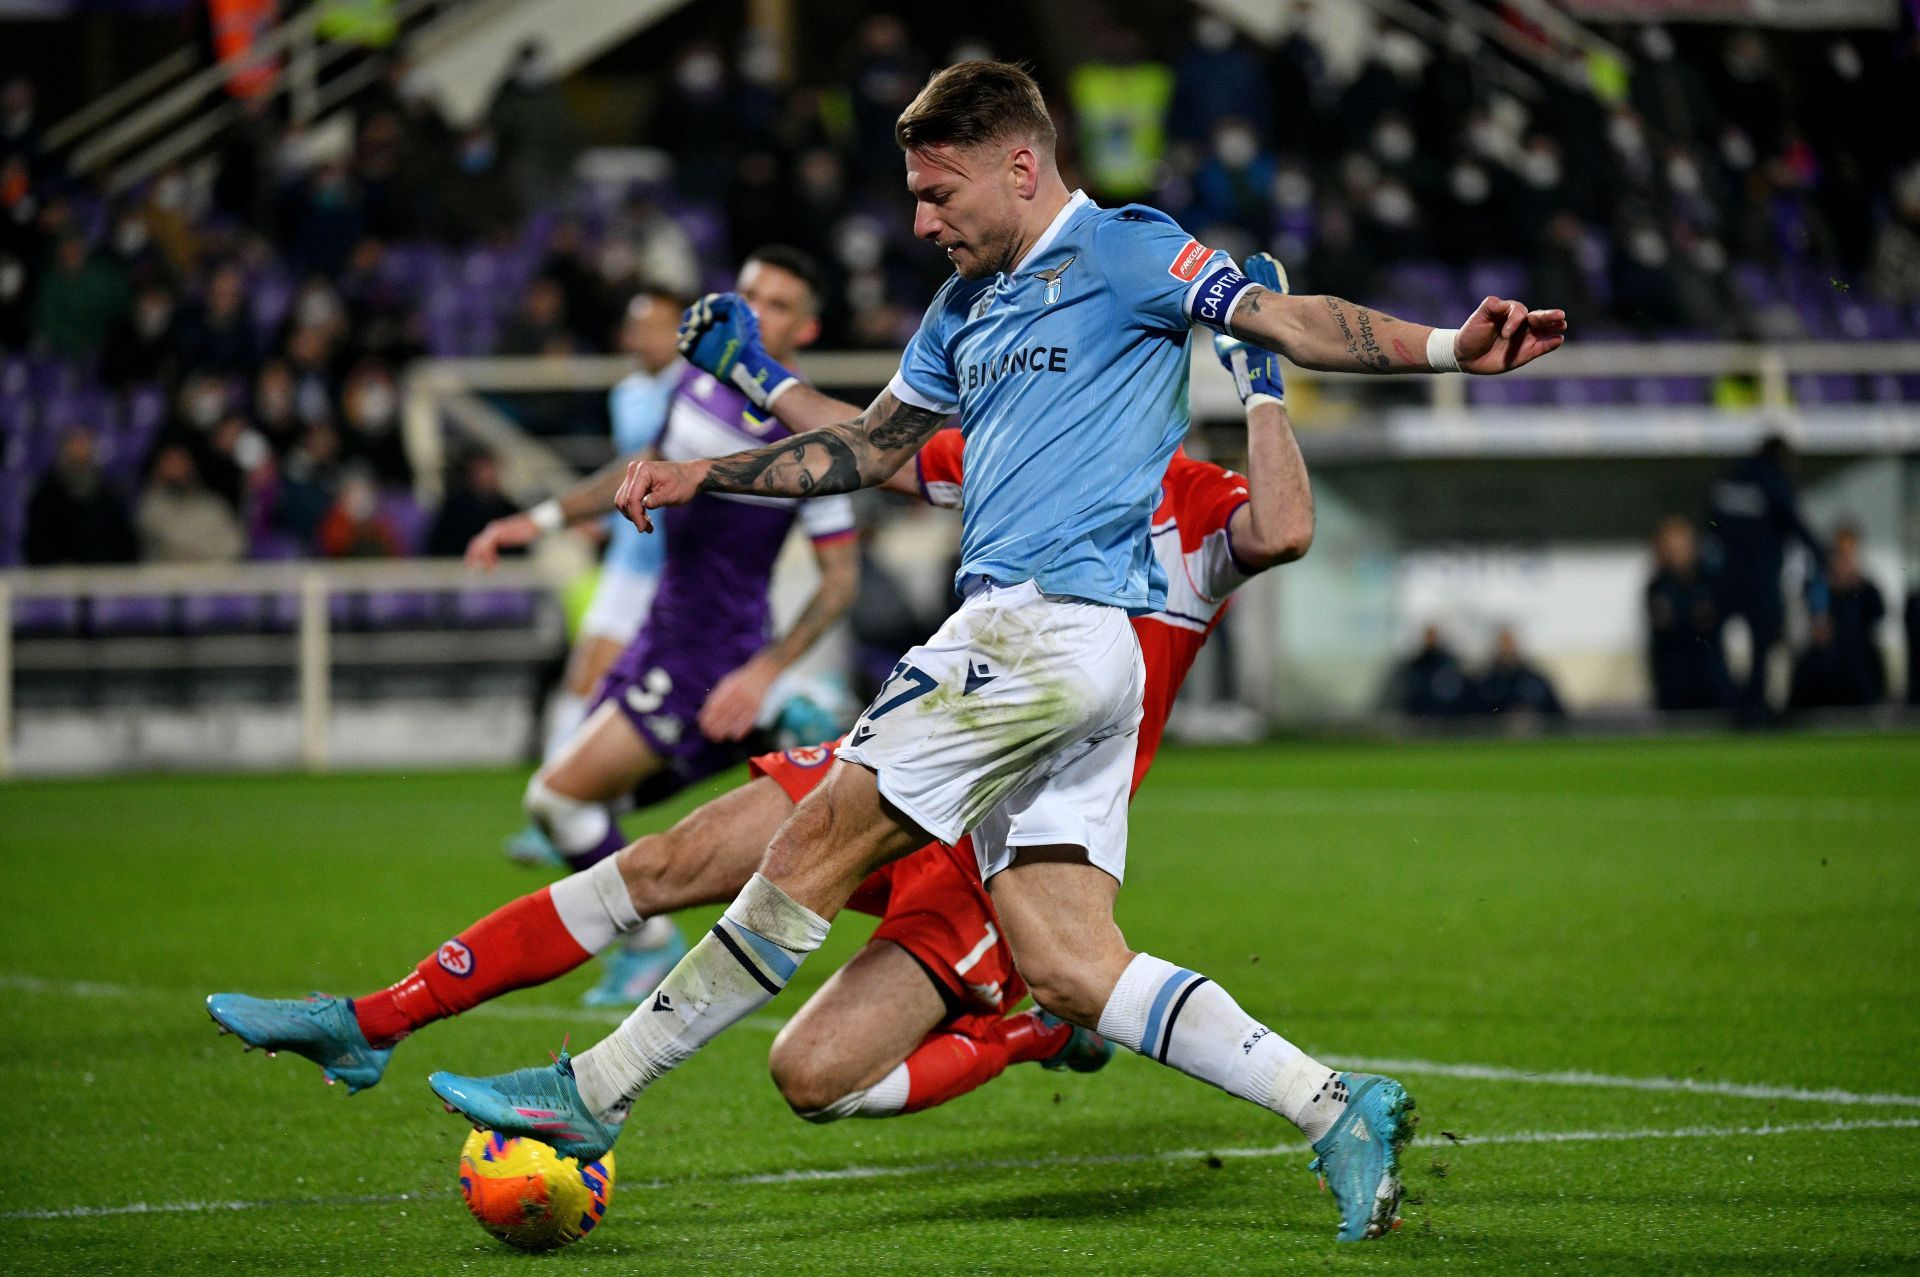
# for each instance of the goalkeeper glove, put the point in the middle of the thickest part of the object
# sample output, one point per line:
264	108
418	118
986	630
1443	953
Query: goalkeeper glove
1256	370
719	335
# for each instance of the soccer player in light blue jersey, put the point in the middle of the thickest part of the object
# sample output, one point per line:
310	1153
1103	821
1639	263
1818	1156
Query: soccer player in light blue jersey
1062	345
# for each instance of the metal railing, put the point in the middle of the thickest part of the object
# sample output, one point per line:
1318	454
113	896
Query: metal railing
313	648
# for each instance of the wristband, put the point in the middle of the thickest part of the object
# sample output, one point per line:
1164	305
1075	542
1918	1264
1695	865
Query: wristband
760	377
548	516
1440	353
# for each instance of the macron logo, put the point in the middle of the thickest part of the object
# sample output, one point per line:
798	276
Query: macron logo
1187	263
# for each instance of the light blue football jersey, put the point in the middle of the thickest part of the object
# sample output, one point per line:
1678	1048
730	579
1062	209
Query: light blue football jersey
1070	379
638	404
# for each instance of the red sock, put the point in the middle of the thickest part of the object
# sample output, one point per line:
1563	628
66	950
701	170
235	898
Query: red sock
946	1065
519	944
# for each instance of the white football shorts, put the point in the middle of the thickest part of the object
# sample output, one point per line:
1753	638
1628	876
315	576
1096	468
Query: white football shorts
620	605
1016	722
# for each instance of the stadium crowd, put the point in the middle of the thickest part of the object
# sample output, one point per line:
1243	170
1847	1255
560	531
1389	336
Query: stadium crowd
244	322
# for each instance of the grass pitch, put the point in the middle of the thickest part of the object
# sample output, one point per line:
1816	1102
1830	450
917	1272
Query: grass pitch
1663	994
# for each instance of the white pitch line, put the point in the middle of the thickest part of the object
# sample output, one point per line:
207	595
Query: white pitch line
1426	1068
844	1173
1579	1077
1520	805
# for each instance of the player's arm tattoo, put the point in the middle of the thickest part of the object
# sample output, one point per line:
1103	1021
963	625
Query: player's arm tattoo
839	458
1329	333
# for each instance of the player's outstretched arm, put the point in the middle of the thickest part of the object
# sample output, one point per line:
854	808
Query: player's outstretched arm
1333	335
842	457
590	498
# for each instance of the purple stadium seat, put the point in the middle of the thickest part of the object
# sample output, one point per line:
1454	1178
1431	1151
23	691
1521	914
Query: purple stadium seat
272	296
1506	392
401	609
1584	392
131	614
1669	390
491	608
221	613
1755	284
45	618
1499	278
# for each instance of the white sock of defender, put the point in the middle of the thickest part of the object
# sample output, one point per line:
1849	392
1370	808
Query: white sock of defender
595	908
1185	1020
735	970
565	712
574	824
884	1098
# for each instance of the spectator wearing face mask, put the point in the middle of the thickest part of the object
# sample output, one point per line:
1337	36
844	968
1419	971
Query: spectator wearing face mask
1234	186
1218	76
218	335
477	200
76	515
181	520
144	346
370	416
81	296
355	528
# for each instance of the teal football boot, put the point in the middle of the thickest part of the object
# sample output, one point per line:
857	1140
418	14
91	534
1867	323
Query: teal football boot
1084	1051
1359	1159
319	1026
632	974
538	1104
532	847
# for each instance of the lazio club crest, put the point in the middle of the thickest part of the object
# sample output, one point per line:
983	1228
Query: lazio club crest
1052	277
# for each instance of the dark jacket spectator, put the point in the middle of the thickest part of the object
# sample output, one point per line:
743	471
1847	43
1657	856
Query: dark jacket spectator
1755	511
218	336
1842	664
1431	684
181	520
144	346
1683	626
471	506
76	515
308	483
477	198
80	297
1514	685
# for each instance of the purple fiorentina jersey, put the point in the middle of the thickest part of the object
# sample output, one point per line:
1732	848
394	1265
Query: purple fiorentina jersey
710	612
721	548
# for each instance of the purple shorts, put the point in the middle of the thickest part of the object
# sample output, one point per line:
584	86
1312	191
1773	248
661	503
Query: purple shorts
660	687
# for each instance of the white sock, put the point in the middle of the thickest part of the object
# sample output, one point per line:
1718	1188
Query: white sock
652	933
595	907
574	825
884	1098
735	970
565	712
1185	1020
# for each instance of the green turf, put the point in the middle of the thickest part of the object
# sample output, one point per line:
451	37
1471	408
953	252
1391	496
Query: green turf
1732	910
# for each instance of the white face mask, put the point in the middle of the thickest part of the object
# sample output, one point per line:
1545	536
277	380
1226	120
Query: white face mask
1625	134
1394	141
317	309
1737	150
1683	175
378	403
1647	247
1710	256
860	246
1292	189
13	278
1540	169
1469	183
130	237
205	406
700	75
1393	206
1236	147
151	318
1212	34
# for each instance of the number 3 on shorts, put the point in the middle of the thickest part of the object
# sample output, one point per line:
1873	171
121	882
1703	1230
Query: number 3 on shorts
921	683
